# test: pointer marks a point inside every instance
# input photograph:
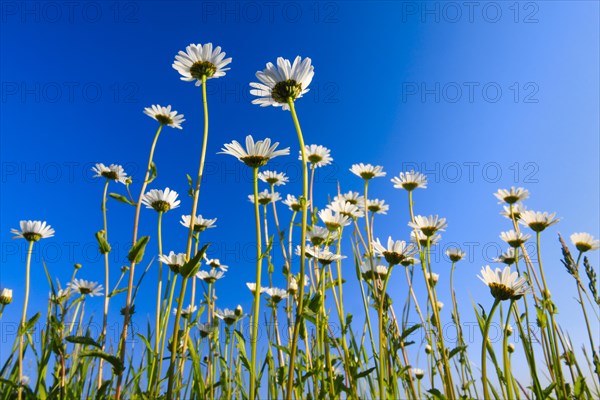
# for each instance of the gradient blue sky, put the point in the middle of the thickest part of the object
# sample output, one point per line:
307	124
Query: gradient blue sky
479	98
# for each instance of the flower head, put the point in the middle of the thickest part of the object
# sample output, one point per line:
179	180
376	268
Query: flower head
585	242
201	60
265	197
252	287
6	296
229	316
509	257
317	155
211	276
537	220
293	203
161	201
428	225
346	208
418	372
512	195
419	237
85	287
324	256
33	231
432	278
276	294
504	284
273	178
174	261
351	197
372	270
186	313
293	286
113	172
215	263
410	181
367	171
319	235
255	154
455	255
164	115
395	252
200	224
514	239
282	83
513	211
334	221
377	206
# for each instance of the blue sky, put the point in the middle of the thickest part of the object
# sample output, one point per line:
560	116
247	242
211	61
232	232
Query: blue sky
479	98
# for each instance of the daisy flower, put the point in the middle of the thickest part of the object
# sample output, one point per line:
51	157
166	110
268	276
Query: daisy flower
346	208
455	255
377	206
282	83
33	231
85	287
512	195
319	235
252	287
538	221
324	256
201	60
419	237
216	263
293	286
255	154
367	171
6	296
333	221
585	242
229	316
61	295
513	238
509	257
211	276
409	261
265	197
351	197
173	260
205	329
276	294
418	372
410	181
317	155
504	284
372	269
113	172
187	312
428	225
164	115
293	203
395	252
273	178
200	224
517	209
161	201
432	278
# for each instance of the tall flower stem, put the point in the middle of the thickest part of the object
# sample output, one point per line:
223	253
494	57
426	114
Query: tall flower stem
154	380
507	370
24	315
256	306
486	330
303	202
191	231
106	285
136	221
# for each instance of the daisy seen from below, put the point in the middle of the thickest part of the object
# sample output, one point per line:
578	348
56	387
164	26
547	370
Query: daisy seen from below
211	276
455	254
504	284
161	200
395	252
585	242
538	221
514	239
377	206
279	85
112	172
367	171
346	208
200	224
255	154
512	195
509	257
32	231
276	294
332	220
85	288
273	178
164	115
317	155
265	197
293	203
200	61
410	181
428	225
173	261
351	197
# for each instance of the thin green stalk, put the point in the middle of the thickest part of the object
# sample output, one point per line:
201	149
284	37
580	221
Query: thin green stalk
256	306
486	329
24	315
106	285
300	308
507	370
153	384
127	310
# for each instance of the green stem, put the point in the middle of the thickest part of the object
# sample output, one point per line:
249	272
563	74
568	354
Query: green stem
153	384
507	370
486	329
256	306
24	316
300	308
106	285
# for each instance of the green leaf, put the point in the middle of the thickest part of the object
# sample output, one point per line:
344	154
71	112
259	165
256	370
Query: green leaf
102	243
191	267
85	340
364	373
456	350
29	324
121	198
407	332
137	250
117	365
436	393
